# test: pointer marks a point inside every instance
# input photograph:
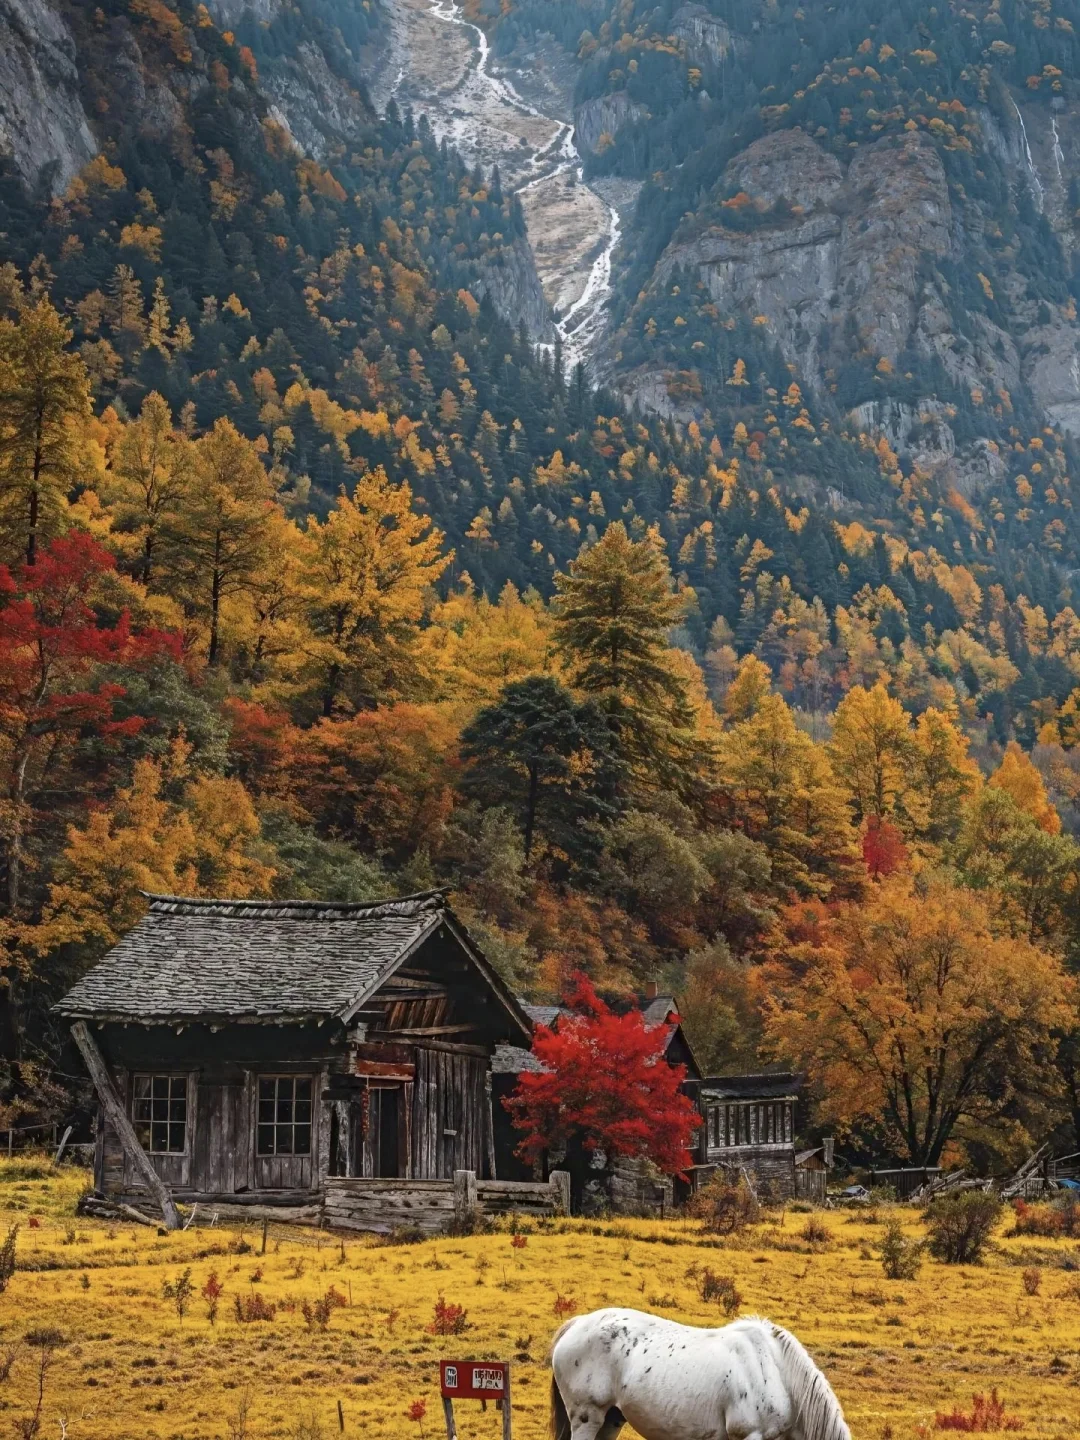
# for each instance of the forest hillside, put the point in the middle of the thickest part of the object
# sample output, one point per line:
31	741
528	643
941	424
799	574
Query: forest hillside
321	579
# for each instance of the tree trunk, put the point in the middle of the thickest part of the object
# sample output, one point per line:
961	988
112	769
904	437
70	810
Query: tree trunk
215	604
530	809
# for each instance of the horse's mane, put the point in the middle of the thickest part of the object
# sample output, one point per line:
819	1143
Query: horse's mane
817	1409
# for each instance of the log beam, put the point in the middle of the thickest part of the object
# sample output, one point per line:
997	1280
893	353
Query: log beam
117	1116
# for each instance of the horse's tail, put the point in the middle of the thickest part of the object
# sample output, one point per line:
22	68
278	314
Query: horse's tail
560	1420
817	1410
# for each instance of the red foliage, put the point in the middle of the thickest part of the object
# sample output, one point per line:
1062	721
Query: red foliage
416	1411
449	1319
987	1414
605	1086
51	644
883	847
564	1305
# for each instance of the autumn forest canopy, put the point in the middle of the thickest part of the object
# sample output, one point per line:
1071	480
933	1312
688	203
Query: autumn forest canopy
318	579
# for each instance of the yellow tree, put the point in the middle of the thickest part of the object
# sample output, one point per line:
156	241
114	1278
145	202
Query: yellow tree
372	565
201	844
947	775
44	410
476	646
875	757
218	539
776	785
912	1014
152	465
1018	777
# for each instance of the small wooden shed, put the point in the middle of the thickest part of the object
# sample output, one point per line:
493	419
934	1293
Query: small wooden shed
812	1172
749	1126
255	1050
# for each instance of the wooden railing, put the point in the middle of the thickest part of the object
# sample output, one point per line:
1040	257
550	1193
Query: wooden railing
433	1206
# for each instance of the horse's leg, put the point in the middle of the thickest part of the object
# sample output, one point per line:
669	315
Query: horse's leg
614	1421
590	1422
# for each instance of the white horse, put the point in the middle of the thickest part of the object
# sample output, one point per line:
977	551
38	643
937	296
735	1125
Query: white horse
750	1380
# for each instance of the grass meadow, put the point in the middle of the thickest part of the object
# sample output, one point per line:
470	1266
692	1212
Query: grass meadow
276	1362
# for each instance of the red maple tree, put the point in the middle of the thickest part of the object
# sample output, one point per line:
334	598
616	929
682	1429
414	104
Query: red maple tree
605	1086
52	645
883	847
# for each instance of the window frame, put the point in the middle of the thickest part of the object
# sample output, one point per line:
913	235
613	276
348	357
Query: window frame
178	1094
279	1125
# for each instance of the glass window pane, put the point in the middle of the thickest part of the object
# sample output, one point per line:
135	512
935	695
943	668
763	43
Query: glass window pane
178	1109
303	1091
266	1090
303	1140
303	1112
284	1136
284	1110
266	1140
159	1138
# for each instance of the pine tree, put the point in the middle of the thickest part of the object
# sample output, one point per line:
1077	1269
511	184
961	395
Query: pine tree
613	611
44	404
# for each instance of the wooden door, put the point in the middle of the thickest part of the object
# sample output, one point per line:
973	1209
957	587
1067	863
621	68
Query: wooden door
221	1160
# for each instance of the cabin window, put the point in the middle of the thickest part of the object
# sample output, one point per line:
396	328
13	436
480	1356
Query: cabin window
284	1123
159	1113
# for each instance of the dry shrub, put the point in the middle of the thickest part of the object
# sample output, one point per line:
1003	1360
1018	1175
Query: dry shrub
720	1288
564	1306
900	1256
961	1226
816	1232
1058	1220
987	1415
725	1207
317	1313
1031	1278
7	1257
251	1308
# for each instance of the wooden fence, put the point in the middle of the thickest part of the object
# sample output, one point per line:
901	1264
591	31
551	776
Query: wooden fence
432	1206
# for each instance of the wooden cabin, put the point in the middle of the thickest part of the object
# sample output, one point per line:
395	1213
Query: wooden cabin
749	1125
255	1050
812	1169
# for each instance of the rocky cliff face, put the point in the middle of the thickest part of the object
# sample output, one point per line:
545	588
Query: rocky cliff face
602	117
847	262
513	287
706	39
43	127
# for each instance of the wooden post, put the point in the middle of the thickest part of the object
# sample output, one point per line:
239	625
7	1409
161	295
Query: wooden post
559	1180
489	1126
507	1419
10	1142
465	1197
448	1412
340	1418
118	1118
62	1146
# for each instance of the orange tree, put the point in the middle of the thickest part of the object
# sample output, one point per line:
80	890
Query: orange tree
604	1089
911	1013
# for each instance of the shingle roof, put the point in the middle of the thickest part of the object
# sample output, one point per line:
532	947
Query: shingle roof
542	1014
751	1087
253	959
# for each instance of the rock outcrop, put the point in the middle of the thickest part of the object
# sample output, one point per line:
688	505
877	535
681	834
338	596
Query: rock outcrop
707	40
604	117
833	255
43	127
513	286
313	103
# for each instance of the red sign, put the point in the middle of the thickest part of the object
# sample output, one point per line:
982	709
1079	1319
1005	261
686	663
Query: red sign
473	1379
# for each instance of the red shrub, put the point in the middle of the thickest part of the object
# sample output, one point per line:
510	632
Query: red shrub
449	1319
987	1414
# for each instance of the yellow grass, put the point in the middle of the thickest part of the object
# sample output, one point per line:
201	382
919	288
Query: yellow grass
895	1351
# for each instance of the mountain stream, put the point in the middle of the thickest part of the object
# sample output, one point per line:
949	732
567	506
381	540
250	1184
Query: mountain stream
442	67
